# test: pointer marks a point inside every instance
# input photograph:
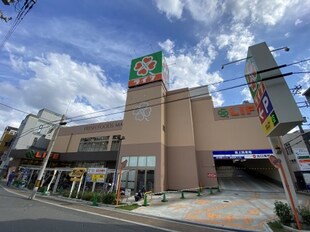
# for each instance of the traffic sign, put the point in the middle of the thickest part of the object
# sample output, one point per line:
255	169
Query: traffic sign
275	161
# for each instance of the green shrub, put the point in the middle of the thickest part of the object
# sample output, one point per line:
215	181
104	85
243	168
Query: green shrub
276	226
30	186
109	198
42	189
66	193
88	196
304	212
283	211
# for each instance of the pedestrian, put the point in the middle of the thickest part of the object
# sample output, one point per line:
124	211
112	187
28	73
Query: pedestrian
11	178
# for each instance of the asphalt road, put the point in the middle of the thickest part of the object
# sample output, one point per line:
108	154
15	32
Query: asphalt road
18	214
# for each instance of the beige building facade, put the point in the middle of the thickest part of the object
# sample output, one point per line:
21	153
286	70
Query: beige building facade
173	140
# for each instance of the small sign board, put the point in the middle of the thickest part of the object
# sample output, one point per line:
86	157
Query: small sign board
77	173
99	178
275	161
97	171
211	175
123	164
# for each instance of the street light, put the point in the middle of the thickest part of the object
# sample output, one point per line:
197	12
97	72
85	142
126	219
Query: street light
45	161
235	61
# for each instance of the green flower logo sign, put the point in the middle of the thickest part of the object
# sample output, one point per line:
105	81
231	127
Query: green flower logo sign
146	69
144	66
223	113
142	112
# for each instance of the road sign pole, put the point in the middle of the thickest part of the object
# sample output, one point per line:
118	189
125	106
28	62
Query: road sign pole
278	151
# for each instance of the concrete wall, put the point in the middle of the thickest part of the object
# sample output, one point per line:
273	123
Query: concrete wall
69	138
144	127
182	170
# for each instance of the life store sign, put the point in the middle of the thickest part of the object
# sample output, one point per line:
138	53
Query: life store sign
238	111
275	105
147	69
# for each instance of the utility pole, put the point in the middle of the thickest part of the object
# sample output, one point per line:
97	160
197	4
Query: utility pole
45	161
114	182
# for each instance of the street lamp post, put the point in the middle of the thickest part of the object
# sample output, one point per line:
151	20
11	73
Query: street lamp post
45	161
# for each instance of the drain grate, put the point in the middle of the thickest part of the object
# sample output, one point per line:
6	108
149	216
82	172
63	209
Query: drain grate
226	201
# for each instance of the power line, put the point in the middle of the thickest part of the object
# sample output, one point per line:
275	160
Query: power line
13	108
22	13
216	91
237	86
214	83
184	98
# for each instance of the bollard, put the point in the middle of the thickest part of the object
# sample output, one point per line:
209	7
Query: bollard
211	192
182	195
44	190
145	200
164	198
199	192
95	200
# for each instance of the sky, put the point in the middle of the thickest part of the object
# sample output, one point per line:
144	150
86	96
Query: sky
73	57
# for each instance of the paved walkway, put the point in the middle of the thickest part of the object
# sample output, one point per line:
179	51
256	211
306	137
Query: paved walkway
230	209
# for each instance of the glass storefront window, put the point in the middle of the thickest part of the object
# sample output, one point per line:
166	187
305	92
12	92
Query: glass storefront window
115	143
132	175
141	180
141	173
94	144
142	161
151	161
149	180
131	185
133	161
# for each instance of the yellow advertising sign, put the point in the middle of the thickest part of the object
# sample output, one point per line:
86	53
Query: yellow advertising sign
97	178
77	172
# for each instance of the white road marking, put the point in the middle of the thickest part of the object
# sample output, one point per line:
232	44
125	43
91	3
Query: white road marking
83	211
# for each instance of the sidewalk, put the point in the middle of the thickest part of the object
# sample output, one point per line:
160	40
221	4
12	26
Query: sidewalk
246	211
238	210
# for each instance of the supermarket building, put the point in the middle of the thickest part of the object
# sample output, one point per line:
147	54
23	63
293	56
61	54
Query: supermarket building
172	140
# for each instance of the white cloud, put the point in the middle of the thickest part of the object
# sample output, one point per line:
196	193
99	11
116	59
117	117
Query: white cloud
237	40
57	82
260	11
190	69
13	48
305	80
245	92
287	34
172	8
205	10
298	21
167	46
240	11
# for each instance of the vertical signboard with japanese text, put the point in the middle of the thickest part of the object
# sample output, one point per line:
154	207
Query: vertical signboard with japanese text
275	105
147	69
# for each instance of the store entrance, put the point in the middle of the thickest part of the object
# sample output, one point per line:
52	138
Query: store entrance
138	179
